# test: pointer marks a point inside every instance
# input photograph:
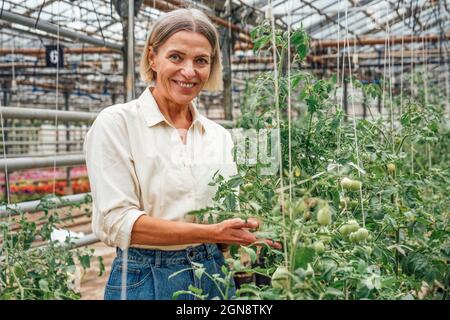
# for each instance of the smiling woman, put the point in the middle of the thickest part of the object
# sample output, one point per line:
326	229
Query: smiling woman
150	162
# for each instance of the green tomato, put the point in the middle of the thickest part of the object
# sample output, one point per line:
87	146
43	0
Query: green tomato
325	239
362	234
324	216
343	202
352	225
391	167
319	247
248	186
300	207
280	278
353	237
346	183
349	184
344	229
349	227
356	185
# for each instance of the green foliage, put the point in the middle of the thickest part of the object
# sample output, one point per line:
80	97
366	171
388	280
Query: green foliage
31	271
405	211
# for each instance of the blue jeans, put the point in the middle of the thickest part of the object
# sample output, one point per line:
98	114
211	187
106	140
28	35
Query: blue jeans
148	274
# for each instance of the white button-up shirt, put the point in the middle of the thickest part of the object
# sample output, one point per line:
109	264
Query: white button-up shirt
137	164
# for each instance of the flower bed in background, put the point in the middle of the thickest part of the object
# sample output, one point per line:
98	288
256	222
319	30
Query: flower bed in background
34	184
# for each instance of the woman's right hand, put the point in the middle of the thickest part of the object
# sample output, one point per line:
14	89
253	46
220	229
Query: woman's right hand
236	231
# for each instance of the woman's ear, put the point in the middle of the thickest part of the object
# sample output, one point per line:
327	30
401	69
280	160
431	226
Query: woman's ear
152	58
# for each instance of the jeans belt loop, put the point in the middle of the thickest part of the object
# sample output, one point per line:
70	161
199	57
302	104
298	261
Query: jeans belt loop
158	258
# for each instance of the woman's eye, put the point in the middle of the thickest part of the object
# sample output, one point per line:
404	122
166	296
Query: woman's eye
175	58
202	61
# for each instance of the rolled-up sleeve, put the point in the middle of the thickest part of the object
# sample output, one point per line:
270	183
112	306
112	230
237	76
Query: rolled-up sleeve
112	177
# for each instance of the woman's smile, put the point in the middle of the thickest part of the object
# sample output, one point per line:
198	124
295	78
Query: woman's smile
185	84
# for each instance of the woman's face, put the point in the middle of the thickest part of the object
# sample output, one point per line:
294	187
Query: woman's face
183	65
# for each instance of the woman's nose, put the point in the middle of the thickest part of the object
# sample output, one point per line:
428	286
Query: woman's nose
188	70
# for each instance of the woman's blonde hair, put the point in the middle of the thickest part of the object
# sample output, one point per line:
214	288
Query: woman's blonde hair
183	20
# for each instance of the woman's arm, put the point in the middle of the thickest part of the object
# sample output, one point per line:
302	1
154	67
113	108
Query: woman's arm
158	232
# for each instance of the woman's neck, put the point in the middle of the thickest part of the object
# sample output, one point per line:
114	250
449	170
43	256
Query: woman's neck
178	115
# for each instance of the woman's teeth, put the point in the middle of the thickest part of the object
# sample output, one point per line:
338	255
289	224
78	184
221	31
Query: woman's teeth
185	84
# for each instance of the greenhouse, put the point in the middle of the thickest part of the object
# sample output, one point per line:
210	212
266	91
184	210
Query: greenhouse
238	149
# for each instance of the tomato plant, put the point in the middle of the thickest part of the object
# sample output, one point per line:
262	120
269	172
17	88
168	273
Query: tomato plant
361	207
32	271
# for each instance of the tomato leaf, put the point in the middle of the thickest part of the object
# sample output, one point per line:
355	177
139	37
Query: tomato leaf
303	256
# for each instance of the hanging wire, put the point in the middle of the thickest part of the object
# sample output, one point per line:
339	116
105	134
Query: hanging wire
340	101
98	21
56	103
444	43
383	90
401	68
412	86
289	106
277	106
39	14
342	95
8	196
425	79
230	54
358	162
1	10
391	77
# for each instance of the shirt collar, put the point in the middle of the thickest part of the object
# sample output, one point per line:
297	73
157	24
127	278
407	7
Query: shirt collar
153	115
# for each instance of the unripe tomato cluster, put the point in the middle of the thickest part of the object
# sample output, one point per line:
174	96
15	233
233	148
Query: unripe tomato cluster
354	232
350	184
349	227
347	203
359	236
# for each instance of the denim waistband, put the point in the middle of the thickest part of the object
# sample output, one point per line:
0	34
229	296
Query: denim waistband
164	257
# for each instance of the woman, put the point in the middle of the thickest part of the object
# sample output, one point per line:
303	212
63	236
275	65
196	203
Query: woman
150	161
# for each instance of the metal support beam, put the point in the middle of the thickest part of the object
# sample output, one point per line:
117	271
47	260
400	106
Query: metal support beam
41	51
33	206
173	4
41	162
76	242
53	29
130	53
83	241
374	41
47	114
